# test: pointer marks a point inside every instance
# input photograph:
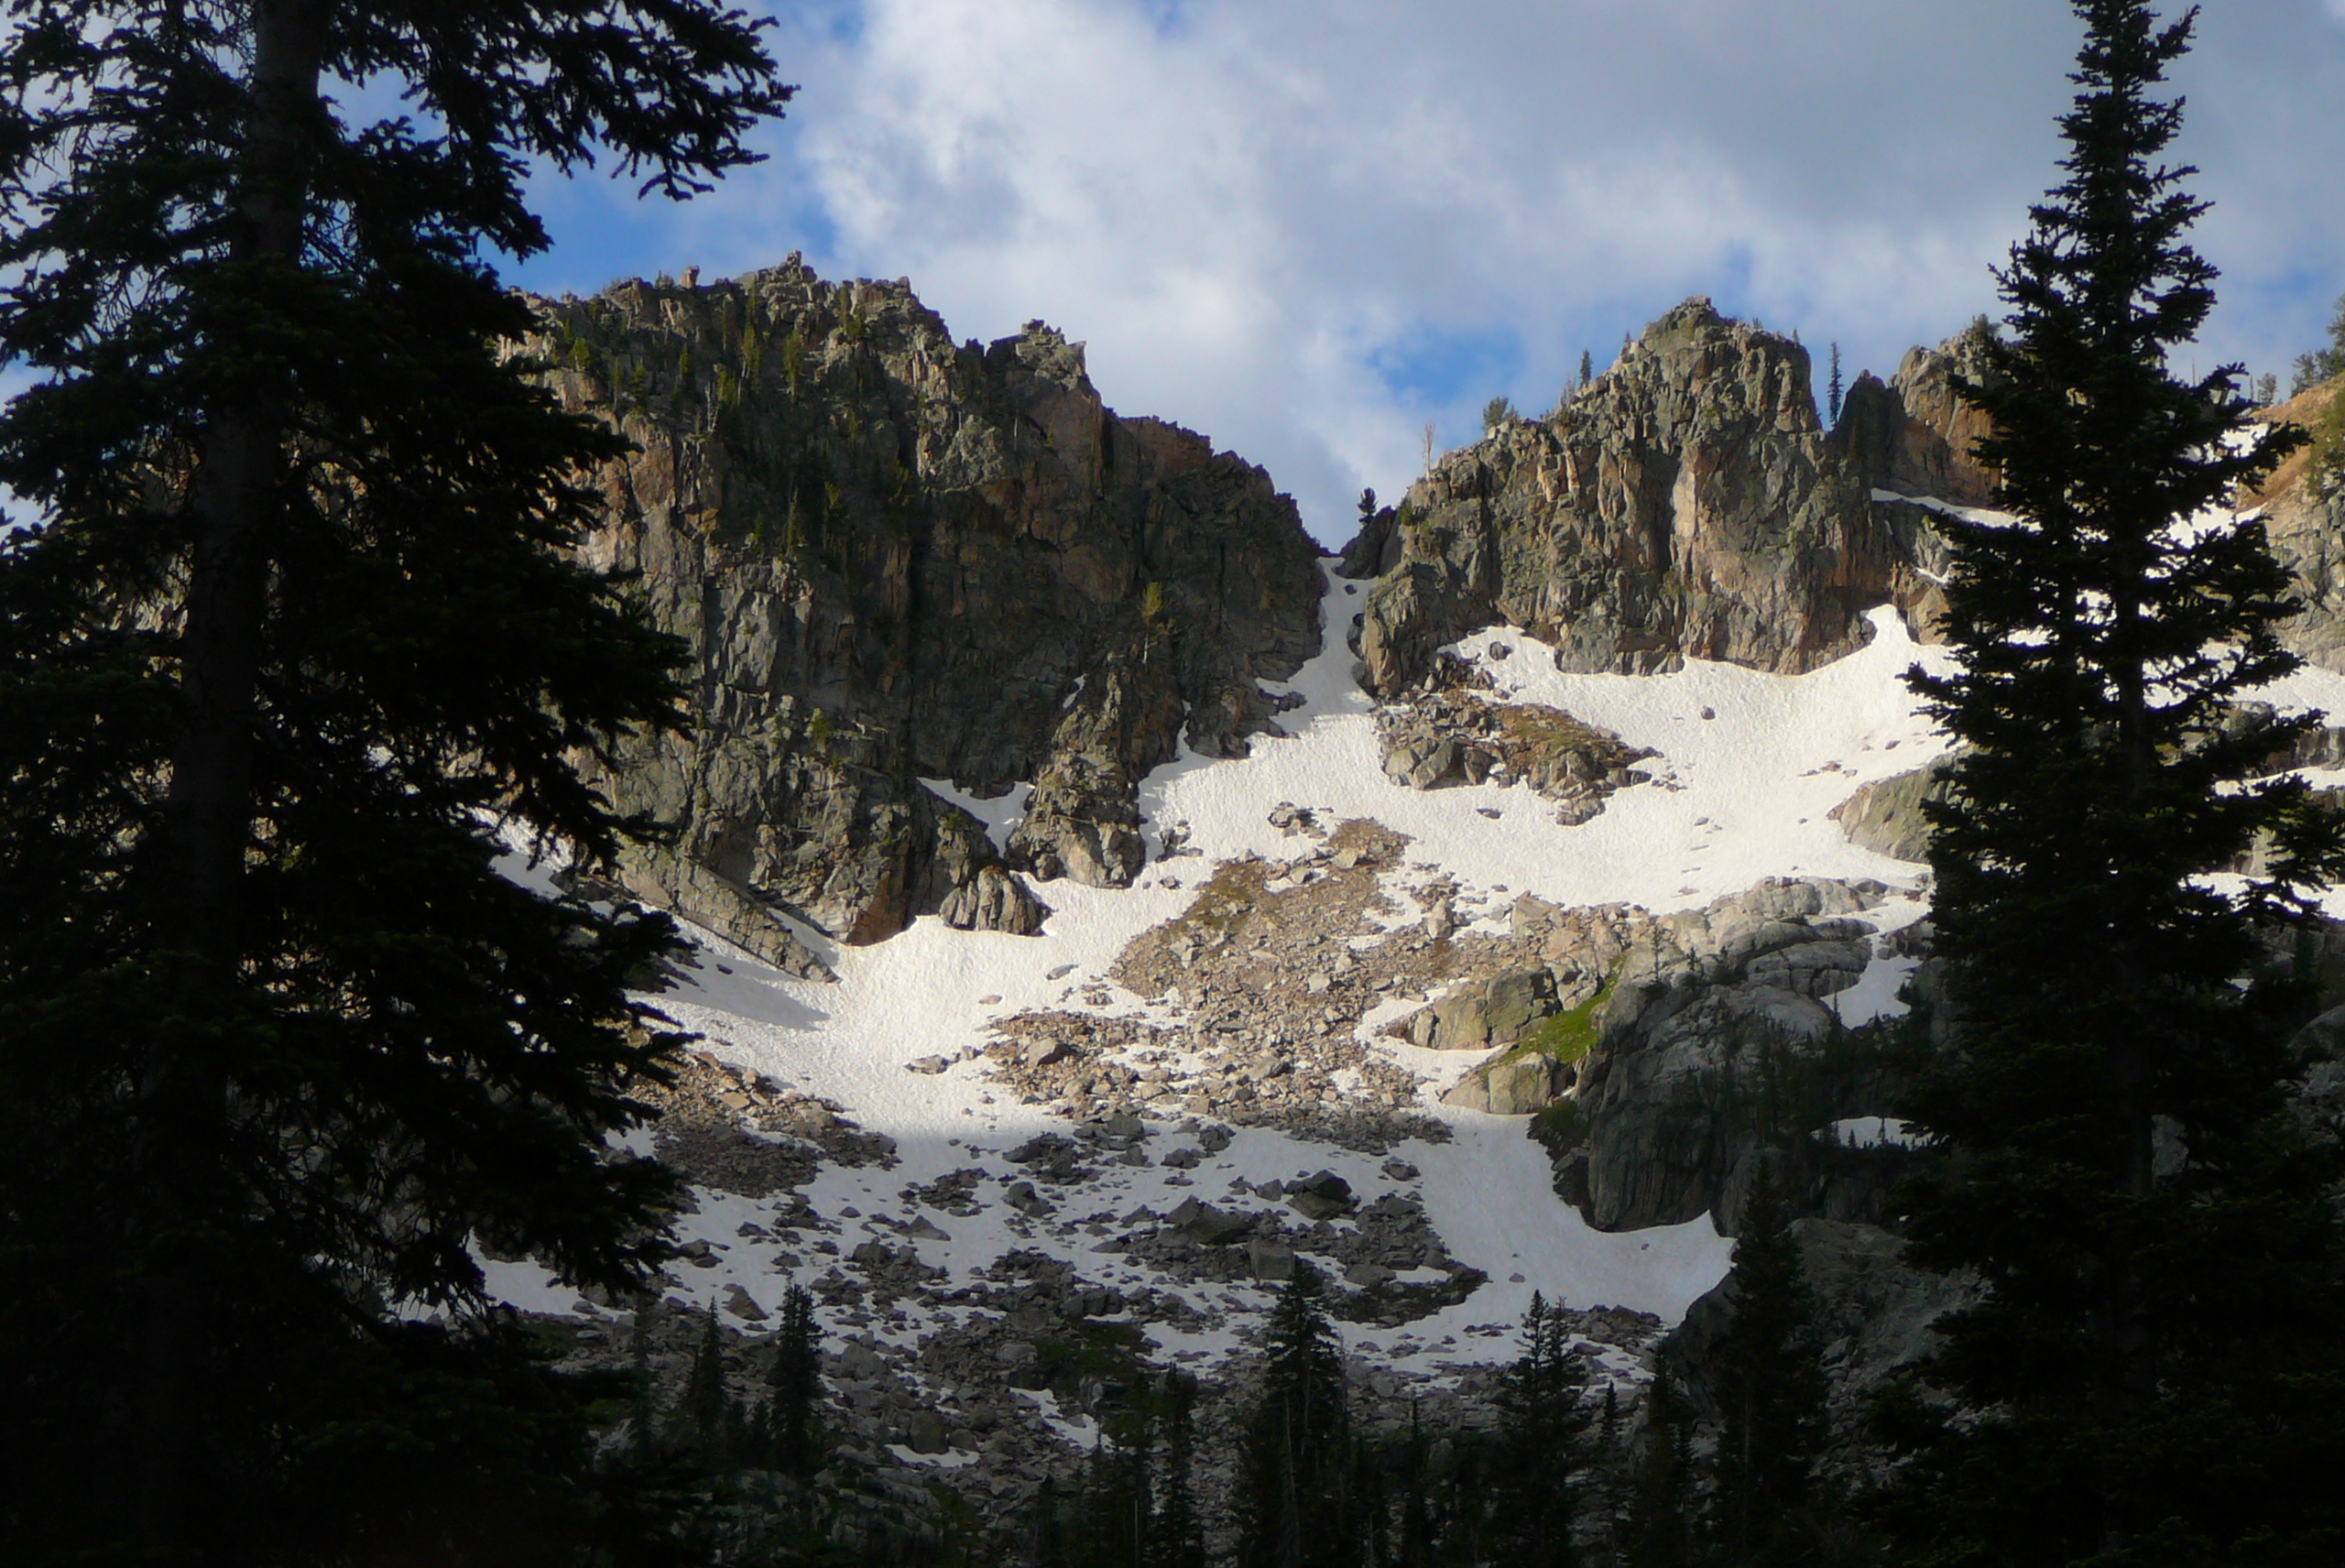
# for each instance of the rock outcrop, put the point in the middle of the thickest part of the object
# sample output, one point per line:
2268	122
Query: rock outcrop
1515	1085
1885	816
1685	505
1715	1041
893	558
1913	435
1447	734
2302	509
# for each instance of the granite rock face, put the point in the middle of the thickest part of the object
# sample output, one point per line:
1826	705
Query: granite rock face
892	558
1886	816
2304	520
1718	1028
1686	504
1914	435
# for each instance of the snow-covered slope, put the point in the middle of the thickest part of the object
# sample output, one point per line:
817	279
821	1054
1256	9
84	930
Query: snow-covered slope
1746	765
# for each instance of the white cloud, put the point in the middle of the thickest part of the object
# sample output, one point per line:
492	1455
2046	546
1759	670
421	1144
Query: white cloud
1254	212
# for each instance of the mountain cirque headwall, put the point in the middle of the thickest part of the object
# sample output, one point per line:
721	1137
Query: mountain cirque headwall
893	558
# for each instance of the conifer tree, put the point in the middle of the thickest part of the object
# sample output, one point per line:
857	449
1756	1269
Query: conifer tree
793	1391
643	1420
2153	1375
1769	1392
293	658
1832	390
1294	1510
2325	363
1177	1537
1414	1545
1538	1456
1586	369
1659	1532
704	1415
1048	1544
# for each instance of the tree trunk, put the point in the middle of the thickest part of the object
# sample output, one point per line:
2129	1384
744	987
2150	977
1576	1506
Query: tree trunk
181	1110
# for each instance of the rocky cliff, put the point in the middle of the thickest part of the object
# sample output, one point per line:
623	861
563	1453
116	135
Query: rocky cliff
2303	508
1914	434
1686	504
895	558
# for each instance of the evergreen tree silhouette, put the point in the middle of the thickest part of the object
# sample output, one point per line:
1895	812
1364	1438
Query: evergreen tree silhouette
1771	1389
793	1391
703	1418
1538	1455
297	652
2151	1376
1177	1540
1294	1507
1660	1529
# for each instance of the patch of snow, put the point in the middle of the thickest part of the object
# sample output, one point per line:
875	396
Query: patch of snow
1001	815
1874	995
1982	516
1741	795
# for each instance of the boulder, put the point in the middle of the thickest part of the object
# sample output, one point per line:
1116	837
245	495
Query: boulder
1885	816
1811	968
1021	1196
1322	1196
1499	1011
1270	1260
924	1432
1207	1225
1512	1085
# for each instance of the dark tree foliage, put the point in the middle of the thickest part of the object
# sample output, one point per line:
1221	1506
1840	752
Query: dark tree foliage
1135	1505
1769	1381
1538	1455
706	1416
1294	1507
1659	1531
293	654
1833	391
1177	1534
794	1391
2325	363
2154	1372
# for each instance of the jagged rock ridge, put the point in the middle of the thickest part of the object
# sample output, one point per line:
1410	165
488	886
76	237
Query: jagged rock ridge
1687	503
893	558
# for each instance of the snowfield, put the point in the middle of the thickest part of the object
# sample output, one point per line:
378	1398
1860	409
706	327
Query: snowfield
1749	766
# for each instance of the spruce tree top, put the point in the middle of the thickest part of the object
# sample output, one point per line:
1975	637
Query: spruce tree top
2154	1238
2105	639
